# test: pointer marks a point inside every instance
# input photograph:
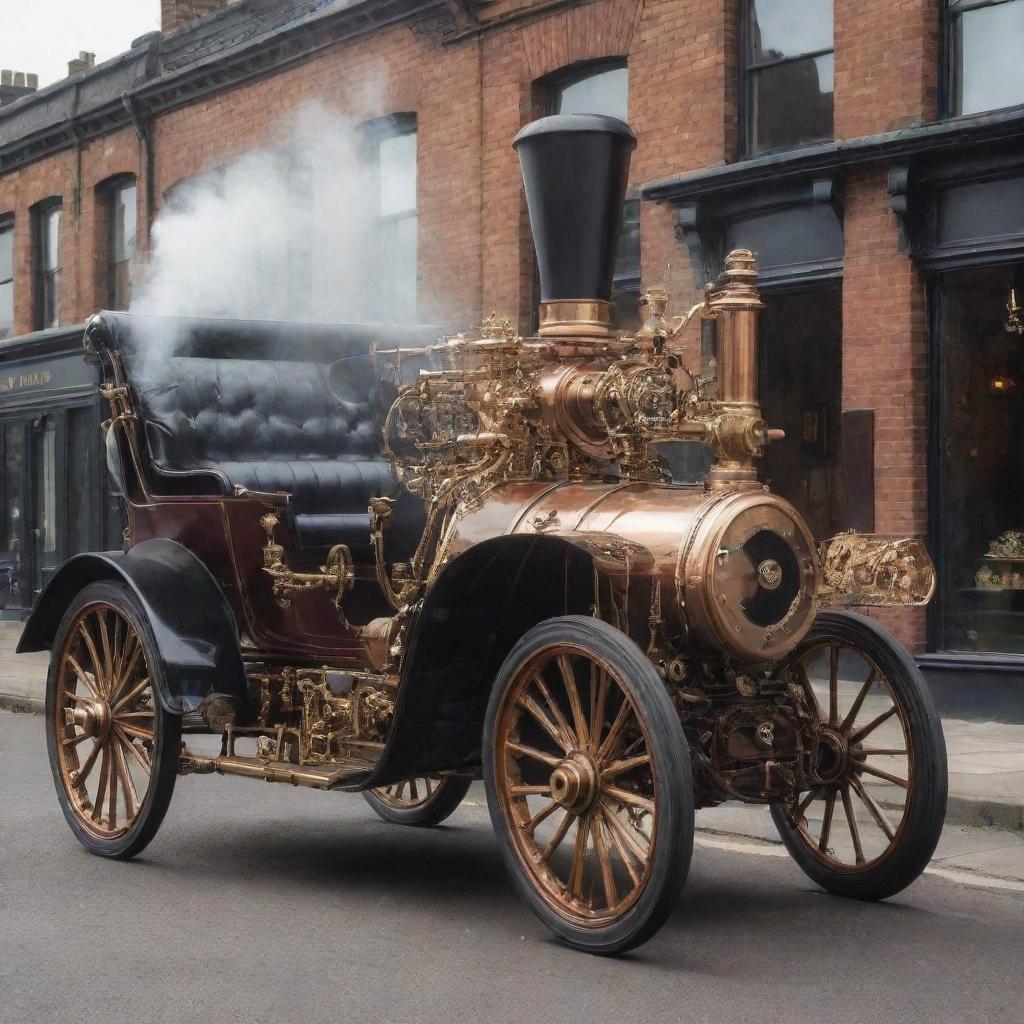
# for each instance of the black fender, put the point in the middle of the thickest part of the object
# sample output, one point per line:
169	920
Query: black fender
195	630
483	601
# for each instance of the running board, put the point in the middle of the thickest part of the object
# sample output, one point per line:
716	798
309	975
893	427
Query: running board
311	776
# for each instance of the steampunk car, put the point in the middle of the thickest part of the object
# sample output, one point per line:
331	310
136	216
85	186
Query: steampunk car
371	560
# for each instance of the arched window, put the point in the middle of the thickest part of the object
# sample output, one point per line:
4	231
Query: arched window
46	225
602	87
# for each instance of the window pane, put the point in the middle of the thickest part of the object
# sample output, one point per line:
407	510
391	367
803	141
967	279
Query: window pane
991	70
14	554
791	104
983	498
50	239
50	285
604	92
396	157
6	309
788	28
398	268
123	222
44	497
6	253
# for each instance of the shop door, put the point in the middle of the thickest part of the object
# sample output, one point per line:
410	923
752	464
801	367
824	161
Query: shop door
15	546
46	556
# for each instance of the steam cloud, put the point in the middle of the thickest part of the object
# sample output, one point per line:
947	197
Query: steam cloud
281	234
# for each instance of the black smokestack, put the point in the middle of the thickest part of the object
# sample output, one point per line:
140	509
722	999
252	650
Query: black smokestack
575	169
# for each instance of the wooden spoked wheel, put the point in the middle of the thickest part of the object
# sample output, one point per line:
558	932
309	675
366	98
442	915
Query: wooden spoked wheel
109	736
589	782
424	800
873	813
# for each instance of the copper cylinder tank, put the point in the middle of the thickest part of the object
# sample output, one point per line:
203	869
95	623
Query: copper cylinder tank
741	565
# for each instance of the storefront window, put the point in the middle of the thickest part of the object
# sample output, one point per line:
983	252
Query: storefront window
603	88
984	61
13	555
801	392
787	73
6	277
82	453
980	512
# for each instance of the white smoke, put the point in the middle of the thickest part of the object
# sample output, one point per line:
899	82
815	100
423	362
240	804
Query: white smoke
283	233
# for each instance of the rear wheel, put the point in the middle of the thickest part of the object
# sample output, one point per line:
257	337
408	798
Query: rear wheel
423	801
588	784
872	818
113	749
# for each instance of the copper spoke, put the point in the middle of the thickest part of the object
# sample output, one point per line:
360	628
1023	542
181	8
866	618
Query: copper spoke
852	820
873	725
627	797
86	766
80	673
611	894
627	837
135	714
545	812
826	825
556	712
619	767
97	807
876	812
894	751
133	749
136	730
626	854
73	741
894	779
557	838
141	685
532	752
522	790
808	688
116	652
579	857
90	646
608	746
801	809
851	715
131	796
545	723
108	660
833	684
77	697
112	786
597	711
575	705
127	672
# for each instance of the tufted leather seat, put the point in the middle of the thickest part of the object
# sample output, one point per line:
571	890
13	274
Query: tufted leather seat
214	420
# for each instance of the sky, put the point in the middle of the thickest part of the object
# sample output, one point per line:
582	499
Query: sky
41	36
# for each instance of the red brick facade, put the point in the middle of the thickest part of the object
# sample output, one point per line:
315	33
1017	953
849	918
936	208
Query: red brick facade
473	91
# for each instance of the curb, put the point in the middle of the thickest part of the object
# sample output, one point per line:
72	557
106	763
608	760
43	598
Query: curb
19	704
959	810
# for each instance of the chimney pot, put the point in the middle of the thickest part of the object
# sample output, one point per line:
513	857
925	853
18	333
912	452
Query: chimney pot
6	77
32	82
19	79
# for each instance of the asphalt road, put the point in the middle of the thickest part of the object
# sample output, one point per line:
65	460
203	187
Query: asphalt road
265	903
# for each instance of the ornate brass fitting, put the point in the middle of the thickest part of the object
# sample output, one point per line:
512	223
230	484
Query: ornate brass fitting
337	573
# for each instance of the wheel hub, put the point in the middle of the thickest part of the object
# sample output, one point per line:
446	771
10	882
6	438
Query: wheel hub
93	717
832	758
575	783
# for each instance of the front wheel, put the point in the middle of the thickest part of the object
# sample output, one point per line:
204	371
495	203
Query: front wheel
872	817
113	749
588	784
423	801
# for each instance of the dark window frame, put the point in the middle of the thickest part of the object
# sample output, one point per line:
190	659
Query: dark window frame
950	84
110	190
748	69
7	227
46	281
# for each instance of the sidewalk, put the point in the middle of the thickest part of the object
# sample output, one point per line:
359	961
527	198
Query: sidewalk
986	759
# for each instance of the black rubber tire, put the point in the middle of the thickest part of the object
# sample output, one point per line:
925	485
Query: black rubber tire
926	814
441	805
675	819
167	727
